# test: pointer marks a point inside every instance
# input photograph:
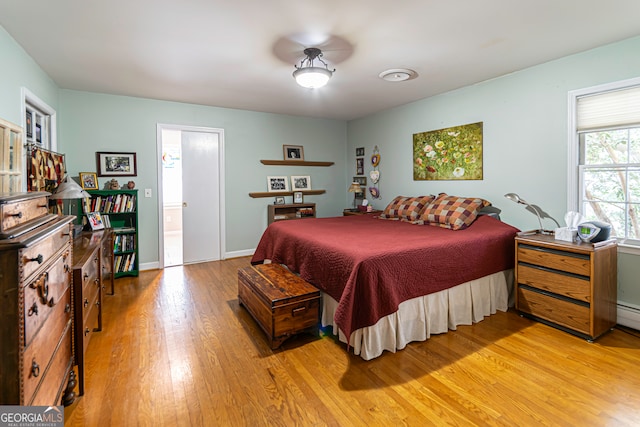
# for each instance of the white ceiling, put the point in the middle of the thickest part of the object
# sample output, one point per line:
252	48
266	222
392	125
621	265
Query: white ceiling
241	53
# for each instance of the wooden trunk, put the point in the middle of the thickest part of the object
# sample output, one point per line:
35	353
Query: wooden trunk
282	303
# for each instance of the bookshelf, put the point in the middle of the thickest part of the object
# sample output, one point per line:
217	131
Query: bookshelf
119	211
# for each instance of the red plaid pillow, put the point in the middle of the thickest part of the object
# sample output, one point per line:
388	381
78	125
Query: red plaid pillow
406	208
456	213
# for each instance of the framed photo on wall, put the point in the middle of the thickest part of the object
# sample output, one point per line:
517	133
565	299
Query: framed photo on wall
293	152
116	164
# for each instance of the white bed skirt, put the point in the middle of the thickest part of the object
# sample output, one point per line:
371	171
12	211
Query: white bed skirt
418	318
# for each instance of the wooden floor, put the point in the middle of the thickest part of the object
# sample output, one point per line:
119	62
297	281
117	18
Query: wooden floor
177	350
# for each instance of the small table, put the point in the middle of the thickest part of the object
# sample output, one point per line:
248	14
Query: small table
348	212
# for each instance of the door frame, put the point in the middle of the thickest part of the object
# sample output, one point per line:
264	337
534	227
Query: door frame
221	174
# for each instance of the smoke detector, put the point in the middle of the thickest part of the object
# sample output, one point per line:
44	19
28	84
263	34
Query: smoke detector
398	75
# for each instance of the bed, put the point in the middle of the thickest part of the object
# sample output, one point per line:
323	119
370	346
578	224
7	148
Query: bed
386	283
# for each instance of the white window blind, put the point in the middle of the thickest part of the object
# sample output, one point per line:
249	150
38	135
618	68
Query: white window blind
619	108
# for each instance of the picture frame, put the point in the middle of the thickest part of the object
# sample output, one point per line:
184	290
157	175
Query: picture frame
362	180
279	200
293	152
298	197
360	152
28	123
116	164
278	183
95	221
360	166
300	183
88	180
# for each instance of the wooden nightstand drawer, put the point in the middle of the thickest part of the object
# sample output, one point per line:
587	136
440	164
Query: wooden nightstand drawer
565	313
571	286
558	260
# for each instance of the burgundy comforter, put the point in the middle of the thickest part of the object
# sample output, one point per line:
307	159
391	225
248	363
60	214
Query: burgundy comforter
371	265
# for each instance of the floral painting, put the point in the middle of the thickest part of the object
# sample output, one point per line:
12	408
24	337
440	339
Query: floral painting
453	153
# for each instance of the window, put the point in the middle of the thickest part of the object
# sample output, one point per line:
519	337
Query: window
10	157
605	147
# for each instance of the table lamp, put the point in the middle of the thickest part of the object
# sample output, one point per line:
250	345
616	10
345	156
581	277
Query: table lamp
355	189
69	190
531	208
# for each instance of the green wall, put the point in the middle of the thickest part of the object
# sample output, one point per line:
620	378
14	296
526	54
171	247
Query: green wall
93	122
525	118
19	70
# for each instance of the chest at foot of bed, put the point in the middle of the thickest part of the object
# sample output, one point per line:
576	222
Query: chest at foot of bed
281	303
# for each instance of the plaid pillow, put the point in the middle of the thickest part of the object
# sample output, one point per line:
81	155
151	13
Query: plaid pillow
406	208
456	213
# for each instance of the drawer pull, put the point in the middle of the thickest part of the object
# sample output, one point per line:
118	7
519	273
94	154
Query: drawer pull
33	310
17	215
42	285
39	259
86	331
67	308
86	303
51	302
85	276
298	310
35	368
97	282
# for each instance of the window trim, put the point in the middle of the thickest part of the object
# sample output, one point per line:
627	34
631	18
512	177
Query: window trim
573	147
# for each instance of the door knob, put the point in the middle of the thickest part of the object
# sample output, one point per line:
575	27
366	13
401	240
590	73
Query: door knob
184	204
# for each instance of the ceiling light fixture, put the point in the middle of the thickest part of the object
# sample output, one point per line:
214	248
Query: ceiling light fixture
398	75
311	77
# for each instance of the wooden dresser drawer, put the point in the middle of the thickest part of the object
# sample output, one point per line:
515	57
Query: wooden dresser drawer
50	389
571	286
557	260
16	213
90	324
38	355
43	295
565	313
35	256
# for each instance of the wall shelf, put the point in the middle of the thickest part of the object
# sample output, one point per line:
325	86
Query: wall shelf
285	193
294	163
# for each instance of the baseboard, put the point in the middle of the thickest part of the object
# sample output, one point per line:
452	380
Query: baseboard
629	316
238	254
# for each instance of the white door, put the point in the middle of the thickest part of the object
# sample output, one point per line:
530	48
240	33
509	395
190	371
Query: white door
200	197
191	194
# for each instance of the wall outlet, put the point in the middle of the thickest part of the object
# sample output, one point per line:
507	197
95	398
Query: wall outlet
147	192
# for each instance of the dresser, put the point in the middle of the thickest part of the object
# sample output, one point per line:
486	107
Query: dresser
571	286
36	310
91	251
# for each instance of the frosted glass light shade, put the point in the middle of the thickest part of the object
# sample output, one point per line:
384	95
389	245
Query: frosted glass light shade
312	77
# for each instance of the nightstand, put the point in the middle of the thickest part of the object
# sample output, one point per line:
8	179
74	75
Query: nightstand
571	286
348	212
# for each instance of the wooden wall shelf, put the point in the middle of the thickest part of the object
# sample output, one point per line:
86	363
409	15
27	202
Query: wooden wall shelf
285	193
294	163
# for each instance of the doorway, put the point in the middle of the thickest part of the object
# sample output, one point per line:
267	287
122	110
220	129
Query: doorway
191	196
